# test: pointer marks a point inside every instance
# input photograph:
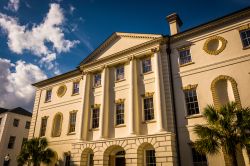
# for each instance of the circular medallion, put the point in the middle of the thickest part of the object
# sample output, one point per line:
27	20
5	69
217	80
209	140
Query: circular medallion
215	45
61	90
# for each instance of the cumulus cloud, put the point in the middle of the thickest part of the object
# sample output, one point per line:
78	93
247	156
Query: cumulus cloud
45	40
13	5
16	79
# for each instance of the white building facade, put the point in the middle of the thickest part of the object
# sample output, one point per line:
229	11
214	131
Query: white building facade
115	109
14	129
136	98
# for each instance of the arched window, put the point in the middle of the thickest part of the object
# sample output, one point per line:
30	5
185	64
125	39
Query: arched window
224	89
57	125
147	157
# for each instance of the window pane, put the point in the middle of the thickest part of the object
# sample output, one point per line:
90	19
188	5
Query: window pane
95	118
245	37
148	108
72	122
120	113
16	122
120	73
43	127
185	56
48	95
199	159
11	142
27	125
97	79
146	65
150	158
191	102
75	87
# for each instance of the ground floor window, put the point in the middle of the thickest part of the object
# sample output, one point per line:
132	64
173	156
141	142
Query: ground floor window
67	160
198	159
150	158
91	159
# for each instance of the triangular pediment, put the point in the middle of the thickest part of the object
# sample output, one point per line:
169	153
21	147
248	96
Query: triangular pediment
118	42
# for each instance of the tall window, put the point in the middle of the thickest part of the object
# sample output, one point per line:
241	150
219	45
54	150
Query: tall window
75	87
119	113
146	65
27	124
148	108
95	118
72	122
90	159
199	159
24	140
16	122
245	38
150	158
43	127
120	73
97	80
11	142
191	102
184	56
48	95
67	160
57	125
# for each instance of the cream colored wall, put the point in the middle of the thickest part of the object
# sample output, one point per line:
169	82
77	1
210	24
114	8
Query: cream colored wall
9	130
122	43
116	90
234	61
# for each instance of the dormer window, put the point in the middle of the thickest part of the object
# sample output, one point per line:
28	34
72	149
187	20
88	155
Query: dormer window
184	56
97	80
119	73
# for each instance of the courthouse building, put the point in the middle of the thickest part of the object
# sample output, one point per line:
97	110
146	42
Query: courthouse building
135	99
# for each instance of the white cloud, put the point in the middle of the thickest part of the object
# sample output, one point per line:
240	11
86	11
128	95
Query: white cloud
38	39
13	5
16	79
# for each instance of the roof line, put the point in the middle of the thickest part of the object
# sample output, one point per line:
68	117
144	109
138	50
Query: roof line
216	22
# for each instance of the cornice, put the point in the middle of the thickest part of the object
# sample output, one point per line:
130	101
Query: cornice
126	51
236	16
58	78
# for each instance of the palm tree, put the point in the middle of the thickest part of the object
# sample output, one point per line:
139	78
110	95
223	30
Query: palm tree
35	151
226	128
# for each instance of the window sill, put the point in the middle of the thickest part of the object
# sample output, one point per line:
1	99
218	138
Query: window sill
99	86
120	80
94	129
186	64
247	47
149	72
120	125
194	116
71	133
149	121
48	101
75	94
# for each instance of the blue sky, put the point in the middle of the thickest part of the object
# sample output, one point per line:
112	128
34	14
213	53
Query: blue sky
83	25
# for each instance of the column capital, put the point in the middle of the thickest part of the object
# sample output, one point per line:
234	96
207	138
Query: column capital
132	57
155	50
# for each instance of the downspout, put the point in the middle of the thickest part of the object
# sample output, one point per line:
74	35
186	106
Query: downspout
168	50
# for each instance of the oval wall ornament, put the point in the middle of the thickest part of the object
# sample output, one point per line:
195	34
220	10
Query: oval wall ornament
215	45
61	91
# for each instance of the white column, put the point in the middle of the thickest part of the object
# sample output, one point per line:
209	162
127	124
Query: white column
131	110
86	108
104	105
159	92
